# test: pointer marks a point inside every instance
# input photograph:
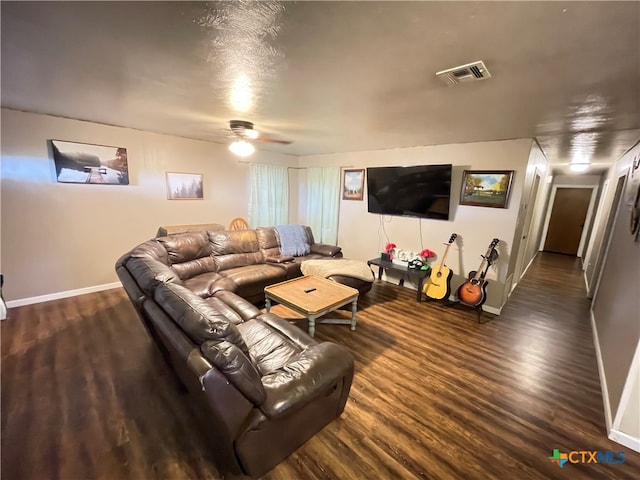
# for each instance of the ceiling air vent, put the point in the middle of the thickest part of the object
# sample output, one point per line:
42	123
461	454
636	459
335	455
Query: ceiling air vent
470	72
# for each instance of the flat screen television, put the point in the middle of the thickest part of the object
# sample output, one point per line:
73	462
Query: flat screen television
417	191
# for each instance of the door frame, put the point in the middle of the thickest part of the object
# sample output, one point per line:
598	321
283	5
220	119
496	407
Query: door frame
587	220
525	241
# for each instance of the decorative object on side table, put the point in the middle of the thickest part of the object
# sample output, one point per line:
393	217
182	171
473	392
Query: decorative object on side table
387	254
426	254
486	188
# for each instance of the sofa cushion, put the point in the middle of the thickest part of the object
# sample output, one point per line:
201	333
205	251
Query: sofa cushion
233	241
183	247
310	374
268	348
199	321
149	273
209	283
237	367
189	253
268	241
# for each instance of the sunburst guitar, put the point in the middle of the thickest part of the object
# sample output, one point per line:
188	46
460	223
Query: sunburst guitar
438	285
473	292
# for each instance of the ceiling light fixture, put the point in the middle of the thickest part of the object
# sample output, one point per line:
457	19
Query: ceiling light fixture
242	148
579	166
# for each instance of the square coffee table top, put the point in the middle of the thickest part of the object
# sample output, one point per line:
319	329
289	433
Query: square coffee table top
311	294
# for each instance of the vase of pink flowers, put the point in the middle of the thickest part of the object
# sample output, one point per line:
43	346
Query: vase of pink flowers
387	254
426	254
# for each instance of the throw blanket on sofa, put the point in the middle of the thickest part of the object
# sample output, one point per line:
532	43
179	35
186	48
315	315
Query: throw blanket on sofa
293	240
341	266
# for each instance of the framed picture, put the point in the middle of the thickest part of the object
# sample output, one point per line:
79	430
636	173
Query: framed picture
486	188
353	184
184	186
86	163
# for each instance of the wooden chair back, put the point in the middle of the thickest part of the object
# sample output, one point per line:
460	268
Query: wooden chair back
238	223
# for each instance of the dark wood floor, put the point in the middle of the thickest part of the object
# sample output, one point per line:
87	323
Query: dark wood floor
436	395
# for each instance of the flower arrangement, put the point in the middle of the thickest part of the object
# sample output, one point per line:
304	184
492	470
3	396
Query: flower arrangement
426	254
389	247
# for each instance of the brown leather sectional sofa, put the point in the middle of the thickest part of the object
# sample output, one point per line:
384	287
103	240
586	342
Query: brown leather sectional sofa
263	386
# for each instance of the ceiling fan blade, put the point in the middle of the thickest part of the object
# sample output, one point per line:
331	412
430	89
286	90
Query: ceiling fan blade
273	140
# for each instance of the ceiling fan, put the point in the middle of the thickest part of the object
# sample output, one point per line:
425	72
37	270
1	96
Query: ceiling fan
243	133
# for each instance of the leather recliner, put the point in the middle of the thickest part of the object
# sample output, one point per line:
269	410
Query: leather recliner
263	386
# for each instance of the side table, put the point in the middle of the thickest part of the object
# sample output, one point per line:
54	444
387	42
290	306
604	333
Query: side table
384	265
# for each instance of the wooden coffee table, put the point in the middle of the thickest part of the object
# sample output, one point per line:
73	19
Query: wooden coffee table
313	297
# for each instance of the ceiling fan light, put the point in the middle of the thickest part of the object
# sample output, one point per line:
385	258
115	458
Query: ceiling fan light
252	134
242	148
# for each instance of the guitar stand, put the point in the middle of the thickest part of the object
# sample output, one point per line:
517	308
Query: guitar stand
479	311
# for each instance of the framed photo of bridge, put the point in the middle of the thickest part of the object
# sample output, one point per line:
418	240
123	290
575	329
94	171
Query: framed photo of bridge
86	163
486	188
353	184
184	186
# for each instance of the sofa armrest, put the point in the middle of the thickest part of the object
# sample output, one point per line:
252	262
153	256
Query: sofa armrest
235	365
242	307
316	371
326	250
296	335
280	259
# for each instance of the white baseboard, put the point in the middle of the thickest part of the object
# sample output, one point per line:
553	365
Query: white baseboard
68	293
625	439
603	378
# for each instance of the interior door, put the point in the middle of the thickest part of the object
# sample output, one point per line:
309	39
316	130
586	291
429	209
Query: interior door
524	242
567	220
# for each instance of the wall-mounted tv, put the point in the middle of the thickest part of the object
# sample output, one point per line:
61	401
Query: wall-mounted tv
417	191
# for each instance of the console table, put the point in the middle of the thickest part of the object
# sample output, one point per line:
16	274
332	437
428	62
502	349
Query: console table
384	265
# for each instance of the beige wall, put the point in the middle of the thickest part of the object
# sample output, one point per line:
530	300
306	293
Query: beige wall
361	233
630	419
595	249
616	305
58	237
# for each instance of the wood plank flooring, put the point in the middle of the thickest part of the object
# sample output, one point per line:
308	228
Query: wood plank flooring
436	395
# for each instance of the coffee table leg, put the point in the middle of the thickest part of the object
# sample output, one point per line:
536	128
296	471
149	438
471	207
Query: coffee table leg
312	325
267	304
354	309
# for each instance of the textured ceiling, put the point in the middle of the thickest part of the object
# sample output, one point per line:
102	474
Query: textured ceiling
335	76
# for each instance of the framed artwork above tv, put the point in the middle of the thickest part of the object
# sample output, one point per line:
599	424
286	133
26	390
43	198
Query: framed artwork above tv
353	184
486	188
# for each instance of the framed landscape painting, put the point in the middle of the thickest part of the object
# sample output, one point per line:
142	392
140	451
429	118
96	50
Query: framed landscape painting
86	163
486	188
184	186
353	184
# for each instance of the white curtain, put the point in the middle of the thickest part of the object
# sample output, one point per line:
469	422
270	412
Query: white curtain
323	203
269	195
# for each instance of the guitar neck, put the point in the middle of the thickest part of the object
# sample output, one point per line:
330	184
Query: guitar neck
491	256
479	273
444	257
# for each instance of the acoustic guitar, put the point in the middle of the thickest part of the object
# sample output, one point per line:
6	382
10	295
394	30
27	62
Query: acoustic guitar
438	285
473	292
